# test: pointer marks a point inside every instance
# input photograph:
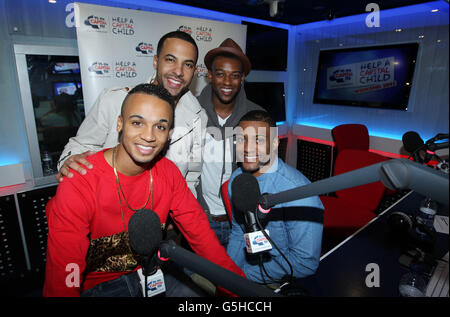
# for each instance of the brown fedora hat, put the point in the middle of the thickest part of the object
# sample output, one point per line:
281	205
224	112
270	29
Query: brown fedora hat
231	47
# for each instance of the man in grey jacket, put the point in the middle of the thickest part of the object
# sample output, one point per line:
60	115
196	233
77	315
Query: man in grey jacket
175	64
225	103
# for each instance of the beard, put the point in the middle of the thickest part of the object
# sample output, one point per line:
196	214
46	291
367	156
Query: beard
256	167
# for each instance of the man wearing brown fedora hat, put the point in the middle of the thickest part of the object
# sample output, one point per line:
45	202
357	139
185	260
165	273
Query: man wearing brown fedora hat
225	103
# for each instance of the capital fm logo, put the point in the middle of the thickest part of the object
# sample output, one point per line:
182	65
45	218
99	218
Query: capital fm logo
100	68
145	49
96	22
154	285
185	29
259	240
342	75
122	26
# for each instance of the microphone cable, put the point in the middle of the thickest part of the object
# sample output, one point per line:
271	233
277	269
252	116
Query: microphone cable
291	275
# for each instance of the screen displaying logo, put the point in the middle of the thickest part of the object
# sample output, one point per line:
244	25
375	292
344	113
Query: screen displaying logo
95	22
363	76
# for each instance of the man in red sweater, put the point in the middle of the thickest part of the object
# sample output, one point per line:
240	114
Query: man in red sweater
88	251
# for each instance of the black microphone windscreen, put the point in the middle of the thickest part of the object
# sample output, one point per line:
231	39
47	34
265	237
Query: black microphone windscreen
245	192
144	229
412	141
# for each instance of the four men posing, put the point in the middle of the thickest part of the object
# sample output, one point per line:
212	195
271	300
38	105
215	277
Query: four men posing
90	216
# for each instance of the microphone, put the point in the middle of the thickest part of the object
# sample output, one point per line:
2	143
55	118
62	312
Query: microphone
144	229
394	174
145	233
246	193
213	272
412	142
245	189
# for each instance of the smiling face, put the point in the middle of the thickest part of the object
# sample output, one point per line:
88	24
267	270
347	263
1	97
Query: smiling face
145	130
175	66
255	146
226	78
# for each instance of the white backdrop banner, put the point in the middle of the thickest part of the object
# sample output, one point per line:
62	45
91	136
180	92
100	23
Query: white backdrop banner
116	46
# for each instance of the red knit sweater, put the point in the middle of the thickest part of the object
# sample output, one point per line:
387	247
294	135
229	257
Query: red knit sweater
89	204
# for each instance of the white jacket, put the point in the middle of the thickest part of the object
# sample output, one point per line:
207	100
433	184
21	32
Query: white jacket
99	131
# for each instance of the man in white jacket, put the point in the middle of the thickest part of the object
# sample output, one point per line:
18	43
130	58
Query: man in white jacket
175	64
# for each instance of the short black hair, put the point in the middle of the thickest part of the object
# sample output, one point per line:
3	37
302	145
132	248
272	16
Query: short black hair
153	90
176	35
259	115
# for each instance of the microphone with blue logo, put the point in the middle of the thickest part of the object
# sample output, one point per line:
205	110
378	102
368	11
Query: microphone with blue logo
144	230
245	196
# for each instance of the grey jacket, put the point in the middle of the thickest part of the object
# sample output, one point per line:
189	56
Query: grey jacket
242	106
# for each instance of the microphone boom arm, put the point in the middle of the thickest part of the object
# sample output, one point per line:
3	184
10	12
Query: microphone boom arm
394	174
213	272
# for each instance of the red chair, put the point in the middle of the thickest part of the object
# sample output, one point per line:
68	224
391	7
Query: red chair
354	136
351	136
226	201
354	207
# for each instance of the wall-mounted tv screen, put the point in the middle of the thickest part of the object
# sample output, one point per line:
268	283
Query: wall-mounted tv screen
69	88
268	95
66	68
376	76
266	47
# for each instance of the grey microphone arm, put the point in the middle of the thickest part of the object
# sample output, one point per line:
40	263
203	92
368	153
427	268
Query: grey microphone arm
394	174
213	272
